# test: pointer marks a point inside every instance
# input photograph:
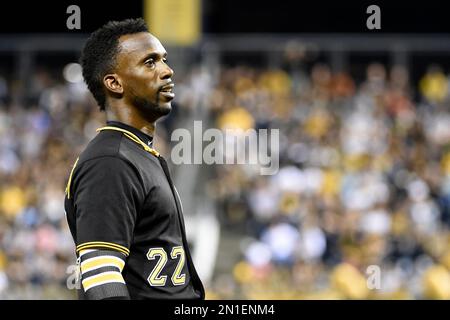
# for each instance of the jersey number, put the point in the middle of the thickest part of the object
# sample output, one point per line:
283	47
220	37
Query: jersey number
155	279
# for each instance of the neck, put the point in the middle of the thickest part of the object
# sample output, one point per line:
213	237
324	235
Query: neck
131	117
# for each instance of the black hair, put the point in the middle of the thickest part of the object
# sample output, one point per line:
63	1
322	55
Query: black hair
98	57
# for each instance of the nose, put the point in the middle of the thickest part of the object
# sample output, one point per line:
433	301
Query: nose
166	73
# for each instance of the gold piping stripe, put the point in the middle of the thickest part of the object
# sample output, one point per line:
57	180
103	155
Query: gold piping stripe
104	246
105	277
132	137
101	244
70	178
102	261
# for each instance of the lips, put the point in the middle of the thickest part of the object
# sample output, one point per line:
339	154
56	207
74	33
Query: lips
166	91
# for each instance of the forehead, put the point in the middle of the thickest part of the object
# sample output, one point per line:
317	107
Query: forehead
138	45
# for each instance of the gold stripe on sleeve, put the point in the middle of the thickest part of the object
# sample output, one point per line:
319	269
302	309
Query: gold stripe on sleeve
102	244
101	261
103	278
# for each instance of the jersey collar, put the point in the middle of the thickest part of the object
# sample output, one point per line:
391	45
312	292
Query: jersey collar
148	140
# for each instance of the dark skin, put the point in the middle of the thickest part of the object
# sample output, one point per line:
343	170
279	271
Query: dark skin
139	91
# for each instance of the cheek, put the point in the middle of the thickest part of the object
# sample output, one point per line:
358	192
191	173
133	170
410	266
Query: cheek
142	82
148	80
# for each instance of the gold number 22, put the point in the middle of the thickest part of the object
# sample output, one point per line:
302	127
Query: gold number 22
155	279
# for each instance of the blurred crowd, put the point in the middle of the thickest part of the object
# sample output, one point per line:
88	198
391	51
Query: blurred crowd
360	207
39	140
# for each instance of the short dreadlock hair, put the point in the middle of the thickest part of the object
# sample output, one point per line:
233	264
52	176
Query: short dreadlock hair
98	57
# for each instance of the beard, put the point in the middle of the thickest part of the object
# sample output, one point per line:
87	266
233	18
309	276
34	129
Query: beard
152	109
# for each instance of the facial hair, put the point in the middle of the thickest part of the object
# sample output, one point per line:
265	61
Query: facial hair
149	107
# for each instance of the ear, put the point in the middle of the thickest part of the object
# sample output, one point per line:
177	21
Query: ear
113	83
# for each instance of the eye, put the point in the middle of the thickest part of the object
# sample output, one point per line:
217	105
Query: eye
150	62
165	60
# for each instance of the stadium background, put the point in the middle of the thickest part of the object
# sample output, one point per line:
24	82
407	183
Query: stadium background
364	125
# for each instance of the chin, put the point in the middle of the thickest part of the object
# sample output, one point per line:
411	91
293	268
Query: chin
165	108
153	111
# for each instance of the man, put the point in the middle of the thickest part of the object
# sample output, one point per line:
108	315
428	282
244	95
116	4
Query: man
122	209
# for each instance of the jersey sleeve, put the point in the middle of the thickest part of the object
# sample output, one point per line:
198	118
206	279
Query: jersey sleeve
101	274
107	195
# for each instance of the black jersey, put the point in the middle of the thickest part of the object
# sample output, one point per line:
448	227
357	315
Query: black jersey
120	196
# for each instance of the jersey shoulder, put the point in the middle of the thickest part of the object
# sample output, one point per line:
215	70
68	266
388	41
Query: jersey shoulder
105	144
110	143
